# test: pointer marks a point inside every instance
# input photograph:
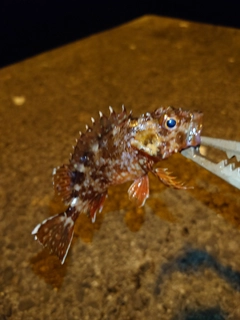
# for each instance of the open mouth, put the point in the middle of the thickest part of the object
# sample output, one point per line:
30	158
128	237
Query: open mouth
195	129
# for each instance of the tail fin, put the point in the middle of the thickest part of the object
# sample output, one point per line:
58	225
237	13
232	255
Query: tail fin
56	232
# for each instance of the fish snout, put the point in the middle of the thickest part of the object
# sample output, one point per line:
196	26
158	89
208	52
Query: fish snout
195	129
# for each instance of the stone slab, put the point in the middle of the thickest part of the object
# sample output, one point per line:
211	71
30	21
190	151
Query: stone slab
176	258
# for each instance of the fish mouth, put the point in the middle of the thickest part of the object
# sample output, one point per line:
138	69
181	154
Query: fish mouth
194	130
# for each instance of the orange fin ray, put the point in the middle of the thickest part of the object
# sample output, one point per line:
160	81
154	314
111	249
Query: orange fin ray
139	190
165	177
62	182
97	206
56	233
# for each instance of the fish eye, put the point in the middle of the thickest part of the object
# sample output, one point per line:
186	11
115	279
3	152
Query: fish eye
83	158
171	123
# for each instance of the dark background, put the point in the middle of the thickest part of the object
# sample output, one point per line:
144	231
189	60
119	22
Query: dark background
28	27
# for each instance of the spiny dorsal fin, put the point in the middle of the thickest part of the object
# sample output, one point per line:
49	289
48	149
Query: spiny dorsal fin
100	128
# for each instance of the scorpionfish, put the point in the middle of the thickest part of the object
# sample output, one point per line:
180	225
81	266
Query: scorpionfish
116	149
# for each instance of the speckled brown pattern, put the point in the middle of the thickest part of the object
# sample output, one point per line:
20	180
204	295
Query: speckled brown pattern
114	150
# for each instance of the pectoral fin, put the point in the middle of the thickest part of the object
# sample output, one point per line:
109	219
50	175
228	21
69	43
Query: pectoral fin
139	190
165	177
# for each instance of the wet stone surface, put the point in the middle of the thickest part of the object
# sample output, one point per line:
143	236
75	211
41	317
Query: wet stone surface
175	258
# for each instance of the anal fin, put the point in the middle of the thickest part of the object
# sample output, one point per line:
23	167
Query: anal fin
56	233
139	190
97	206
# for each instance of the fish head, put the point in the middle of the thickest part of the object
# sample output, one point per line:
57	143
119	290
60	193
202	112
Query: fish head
167	131
177	129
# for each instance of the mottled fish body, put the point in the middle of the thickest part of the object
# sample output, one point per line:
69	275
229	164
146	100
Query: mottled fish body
114	150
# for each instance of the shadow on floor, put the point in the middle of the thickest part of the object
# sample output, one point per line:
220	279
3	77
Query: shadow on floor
207	314
193	260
